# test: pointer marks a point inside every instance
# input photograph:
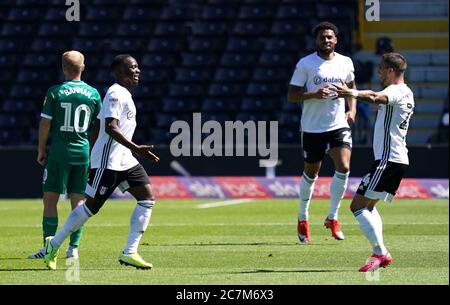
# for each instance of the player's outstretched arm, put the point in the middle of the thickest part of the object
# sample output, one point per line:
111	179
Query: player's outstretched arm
298	94
368	96
44	131
112	129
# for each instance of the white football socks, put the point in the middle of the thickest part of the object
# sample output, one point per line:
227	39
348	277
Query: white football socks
138	224
370	226
337	191
306	190
76	219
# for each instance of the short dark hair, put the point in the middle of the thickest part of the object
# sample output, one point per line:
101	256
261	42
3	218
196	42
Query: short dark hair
395	61
119	60
325	25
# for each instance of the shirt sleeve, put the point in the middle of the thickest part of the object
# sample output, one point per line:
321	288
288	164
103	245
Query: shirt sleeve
112	105
351	72
394	96
48	107
300	75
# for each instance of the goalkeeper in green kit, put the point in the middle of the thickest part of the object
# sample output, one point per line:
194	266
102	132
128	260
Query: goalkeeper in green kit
68	116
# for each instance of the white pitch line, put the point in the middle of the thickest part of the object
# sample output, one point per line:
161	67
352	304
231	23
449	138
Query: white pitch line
223	203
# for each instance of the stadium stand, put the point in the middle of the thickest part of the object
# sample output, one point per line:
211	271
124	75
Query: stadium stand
229	59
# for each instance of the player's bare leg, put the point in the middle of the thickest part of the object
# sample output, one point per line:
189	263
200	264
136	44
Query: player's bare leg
138	224
341	159
370	223
310	174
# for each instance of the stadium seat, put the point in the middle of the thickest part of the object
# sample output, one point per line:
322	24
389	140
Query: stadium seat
135	28
198	59
250	28
220	104
284	44
164	120
170	13
192	75
127	45
218	12
154	75
278	59
165	44
264	89
206	44
17	120
272	74
19	106
49	45
28	91
8	60
225	89
288	119
34	76
238	59
104	74
289	135
243	44
144	13
39	60
186	90
10	45
89	45
24	14
97	29
9	137
55	29
211	28
159	136
7	75
158	60
99	13
293	28
297	10
257	104
256	11
231	75
17	29
218	117
170	29
253	116
55	14
176	105
150	90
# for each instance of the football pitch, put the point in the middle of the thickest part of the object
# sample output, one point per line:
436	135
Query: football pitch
249	243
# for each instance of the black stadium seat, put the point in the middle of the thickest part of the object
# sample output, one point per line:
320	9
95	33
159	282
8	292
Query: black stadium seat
229	59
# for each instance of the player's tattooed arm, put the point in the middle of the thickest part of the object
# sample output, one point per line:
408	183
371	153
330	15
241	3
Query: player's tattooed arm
112	129
298	94
368	96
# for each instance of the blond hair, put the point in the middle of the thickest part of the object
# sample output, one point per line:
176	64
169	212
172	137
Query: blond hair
72	62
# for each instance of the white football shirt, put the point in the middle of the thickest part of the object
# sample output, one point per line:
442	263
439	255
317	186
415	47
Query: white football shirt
313	73
391	126
107	153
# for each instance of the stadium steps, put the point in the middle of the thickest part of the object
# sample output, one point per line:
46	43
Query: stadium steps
411	24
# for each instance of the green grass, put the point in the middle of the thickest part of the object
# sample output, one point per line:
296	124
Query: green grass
249	243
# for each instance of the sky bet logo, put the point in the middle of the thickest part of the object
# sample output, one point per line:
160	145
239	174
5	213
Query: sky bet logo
332	80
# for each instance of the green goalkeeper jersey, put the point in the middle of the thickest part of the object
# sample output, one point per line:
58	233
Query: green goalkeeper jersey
71	107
